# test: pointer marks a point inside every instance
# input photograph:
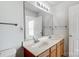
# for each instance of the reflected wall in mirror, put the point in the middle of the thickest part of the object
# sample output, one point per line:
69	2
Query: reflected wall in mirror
33	27
47	24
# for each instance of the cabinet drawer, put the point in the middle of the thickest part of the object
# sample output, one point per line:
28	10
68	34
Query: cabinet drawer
53	48
44	54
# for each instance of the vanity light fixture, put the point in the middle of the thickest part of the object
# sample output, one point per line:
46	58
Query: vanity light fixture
43	6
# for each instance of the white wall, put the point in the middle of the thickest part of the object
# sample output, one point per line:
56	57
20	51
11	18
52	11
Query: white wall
29	12
11	36
60	20
47	24
60	16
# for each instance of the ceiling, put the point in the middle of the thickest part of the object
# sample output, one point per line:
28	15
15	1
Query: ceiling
55	3
51	4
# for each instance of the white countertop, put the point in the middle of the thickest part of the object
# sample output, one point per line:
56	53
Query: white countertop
44	44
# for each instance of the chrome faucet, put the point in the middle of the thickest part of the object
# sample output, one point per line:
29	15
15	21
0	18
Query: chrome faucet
49	37
35	41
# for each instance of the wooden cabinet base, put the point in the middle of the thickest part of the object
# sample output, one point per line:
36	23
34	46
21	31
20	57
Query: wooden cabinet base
55	51
44	54
27	53
62	49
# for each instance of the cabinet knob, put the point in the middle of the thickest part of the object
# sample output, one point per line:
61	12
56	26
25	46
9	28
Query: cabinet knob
70	35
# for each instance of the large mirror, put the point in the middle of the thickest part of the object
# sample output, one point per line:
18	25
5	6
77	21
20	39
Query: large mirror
37	22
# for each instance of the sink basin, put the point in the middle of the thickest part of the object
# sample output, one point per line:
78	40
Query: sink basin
40	44
43	42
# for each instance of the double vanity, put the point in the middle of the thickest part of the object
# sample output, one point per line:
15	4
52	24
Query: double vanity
48	46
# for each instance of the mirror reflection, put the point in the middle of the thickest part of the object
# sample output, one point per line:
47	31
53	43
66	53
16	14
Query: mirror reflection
38	23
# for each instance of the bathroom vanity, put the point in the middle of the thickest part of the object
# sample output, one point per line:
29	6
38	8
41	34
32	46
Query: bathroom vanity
53	47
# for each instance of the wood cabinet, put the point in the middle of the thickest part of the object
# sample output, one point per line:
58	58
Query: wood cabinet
44	54
55	51
28	53
60	48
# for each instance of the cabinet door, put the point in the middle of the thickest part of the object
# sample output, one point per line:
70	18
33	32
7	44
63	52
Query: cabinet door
53	51
62	49
45	54
58	50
